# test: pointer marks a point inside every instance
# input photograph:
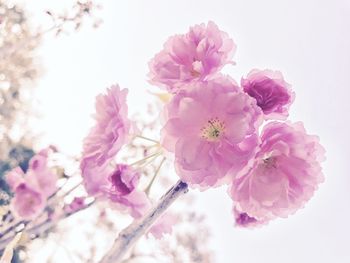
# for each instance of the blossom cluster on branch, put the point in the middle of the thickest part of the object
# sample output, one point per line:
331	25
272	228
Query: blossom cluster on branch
216	132
212	126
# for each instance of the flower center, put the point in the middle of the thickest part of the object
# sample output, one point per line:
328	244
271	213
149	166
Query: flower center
269	162
213	130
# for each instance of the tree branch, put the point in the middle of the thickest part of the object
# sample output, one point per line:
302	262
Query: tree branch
128	237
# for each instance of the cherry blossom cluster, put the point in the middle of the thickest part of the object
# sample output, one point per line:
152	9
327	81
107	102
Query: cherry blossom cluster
219	132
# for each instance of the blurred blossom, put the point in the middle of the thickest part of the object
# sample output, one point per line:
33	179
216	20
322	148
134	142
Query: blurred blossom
77	204
28	201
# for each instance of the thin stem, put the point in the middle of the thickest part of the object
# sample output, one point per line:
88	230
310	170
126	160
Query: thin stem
73	188
8	230
149	161
147	139
42	227
145	158
148	188
128	237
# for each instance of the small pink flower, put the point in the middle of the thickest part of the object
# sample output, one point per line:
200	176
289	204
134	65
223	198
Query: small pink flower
272	93
77	204
122	191
28	202
163	226
14	177
212	128
284	176
109	134
40	172
202	52
38	175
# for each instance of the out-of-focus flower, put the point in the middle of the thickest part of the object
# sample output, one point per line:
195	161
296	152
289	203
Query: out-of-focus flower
272	93
284	176
39	175
14	177
77	204
40	172
203	51
28	202
123	193
109	134
212	128
163	226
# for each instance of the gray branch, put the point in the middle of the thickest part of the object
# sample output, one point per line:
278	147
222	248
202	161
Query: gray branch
128	237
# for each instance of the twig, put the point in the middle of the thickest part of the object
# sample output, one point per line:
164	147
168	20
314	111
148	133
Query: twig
148	188
42	227
138	228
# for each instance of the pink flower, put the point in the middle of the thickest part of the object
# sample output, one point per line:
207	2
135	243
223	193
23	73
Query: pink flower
94	177
14	177
109	134
203	51
272	93
28	202
122	191
212	128
40	172
136	203
284	176
77	204
38	175
163	226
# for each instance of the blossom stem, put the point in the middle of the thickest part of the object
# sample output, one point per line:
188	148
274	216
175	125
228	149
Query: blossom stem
145	158
128	237
8	230
148	188
42	227
147	139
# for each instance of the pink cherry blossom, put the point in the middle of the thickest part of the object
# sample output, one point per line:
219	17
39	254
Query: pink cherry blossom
40	172
164	225
203	51
106	138
136	203
123	193
272	93
284	176
212	128
14	177
39	175
77	204
27	202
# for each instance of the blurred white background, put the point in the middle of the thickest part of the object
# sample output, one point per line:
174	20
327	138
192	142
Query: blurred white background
308	41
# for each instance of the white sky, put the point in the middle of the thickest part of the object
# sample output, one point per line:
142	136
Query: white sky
307	40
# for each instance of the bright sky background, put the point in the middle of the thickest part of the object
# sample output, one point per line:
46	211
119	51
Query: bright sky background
307	40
